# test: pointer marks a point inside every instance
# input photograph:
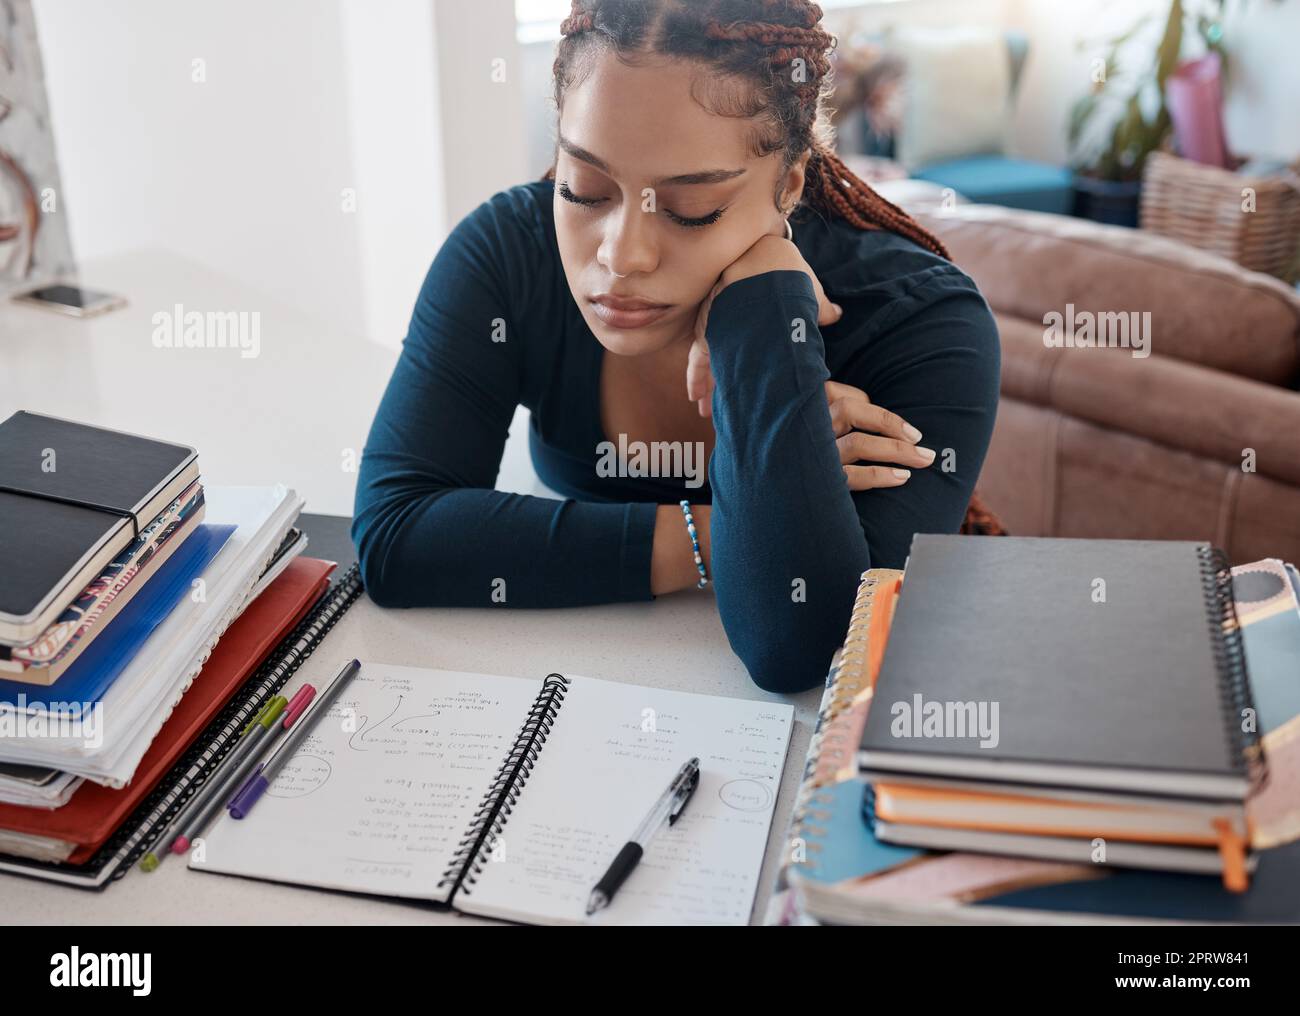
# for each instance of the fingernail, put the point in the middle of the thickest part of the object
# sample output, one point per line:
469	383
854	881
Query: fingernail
911	433
925	453
838	309
902	474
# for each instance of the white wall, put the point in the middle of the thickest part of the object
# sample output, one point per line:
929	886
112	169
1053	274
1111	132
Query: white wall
1058	71
1261	114
395	143
241	171
481	101
1262	108
246	171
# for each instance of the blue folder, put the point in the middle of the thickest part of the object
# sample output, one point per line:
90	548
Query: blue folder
112	649
840	845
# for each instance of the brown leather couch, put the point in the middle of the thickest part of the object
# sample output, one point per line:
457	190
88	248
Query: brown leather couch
1199	440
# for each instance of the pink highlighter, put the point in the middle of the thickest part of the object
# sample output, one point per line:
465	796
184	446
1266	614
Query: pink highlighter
302	713
258	780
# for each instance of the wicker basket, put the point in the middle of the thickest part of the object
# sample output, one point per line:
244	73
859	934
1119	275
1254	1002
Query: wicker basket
1202	206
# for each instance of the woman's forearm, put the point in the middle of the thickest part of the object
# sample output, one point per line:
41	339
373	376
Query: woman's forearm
672	561
788	543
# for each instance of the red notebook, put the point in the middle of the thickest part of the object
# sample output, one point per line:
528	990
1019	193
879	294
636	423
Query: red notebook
95	811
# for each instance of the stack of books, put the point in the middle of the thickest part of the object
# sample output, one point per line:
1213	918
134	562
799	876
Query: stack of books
89	516
1056	730
120	574
1068	699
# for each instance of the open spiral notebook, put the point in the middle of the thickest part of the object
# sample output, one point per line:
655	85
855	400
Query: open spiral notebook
507	797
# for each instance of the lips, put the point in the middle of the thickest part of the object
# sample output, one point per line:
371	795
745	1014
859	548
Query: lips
627	311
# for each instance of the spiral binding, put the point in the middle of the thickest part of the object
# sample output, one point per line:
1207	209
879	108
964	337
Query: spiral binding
502	794
1245	751
152	816
848	676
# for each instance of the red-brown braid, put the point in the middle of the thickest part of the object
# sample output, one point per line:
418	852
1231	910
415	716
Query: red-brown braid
577	22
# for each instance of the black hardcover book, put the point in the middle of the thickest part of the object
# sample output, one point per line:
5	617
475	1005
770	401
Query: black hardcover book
71	497
1112	665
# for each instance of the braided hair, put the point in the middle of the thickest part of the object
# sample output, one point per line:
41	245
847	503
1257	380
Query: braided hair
780	50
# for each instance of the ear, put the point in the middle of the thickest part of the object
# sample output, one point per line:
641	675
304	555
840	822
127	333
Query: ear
792	183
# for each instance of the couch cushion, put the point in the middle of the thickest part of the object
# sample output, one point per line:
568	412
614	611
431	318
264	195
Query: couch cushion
1238	422
1048	474
1000	180
1203	308
957	93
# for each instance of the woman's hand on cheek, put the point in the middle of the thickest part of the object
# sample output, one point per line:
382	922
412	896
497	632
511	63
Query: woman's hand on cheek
777	254
699	372
768	254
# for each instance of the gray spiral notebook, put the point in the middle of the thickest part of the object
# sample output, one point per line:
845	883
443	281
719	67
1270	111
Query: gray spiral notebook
1110	665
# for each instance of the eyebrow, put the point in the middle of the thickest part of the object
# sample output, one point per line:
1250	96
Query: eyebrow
705	176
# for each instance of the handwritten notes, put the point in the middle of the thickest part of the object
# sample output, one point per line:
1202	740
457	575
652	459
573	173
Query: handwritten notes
614	748
378	798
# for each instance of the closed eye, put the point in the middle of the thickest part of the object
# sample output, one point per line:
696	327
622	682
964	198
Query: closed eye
577	199
703	220
690	223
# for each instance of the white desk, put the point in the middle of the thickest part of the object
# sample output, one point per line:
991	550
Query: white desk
285	417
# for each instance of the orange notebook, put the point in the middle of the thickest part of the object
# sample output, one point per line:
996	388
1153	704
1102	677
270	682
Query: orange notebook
1051	815
859	666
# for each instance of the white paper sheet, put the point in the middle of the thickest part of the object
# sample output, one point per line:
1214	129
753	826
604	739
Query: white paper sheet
613	750
380	794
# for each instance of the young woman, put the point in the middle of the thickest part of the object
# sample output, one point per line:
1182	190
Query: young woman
697	268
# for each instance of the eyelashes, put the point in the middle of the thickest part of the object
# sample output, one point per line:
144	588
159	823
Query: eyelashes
568	195
704	220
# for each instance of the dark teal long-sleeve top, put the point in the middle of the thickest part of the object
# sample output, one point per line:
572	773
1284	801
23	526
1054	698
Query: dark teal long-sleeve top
495	326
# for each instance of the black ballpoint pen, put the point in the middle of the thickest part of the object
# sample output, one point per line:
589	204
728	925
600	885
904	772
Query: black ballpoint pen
671	804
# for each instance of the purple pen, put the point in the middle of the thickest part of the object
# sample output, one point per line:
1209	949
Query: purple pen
264	774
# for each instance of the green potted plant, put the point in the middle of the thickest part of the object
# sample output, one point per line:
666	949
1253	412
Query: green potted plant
1124	118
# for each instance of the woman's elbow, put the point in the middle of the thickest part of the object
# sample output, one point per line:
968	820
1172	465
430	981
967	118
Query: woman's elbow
382	592
373	552
787	645
784	668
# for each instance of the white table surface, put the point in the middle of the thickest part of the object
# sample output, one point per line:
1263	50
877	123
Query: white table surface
284	416
286	420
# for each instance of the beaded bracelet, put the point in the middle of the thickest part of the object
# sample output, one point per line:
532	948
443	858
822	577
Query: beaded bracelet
695	544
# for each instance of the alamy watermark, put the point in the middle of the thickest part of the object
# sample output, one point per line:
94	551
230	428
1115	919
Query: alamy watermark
179	328
953	720
1115	329
62	720
653	458
77	969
